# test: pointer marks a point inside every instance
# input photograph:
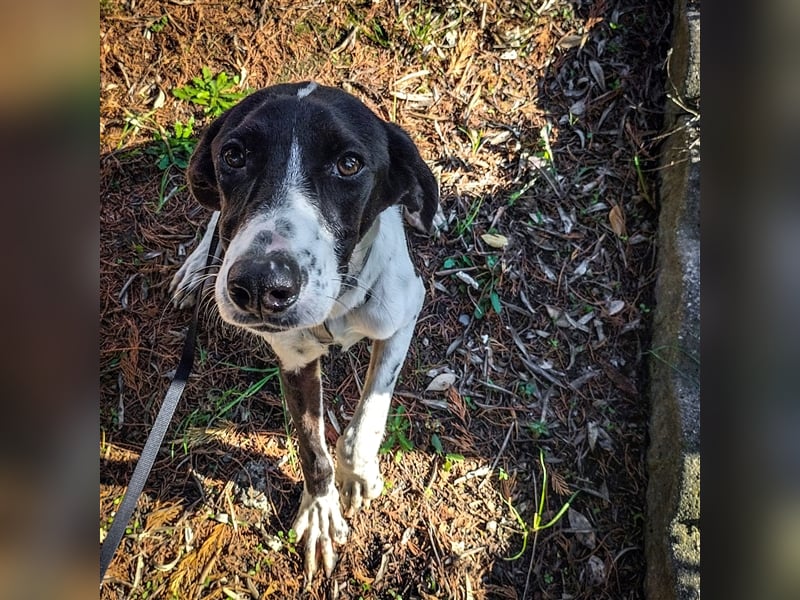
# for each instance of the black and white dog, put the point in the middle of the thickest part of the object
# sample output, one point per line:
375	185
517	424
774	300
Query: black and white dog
308	187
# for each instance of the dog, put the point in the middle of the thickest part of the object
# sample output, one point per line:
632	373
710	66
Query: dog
309	189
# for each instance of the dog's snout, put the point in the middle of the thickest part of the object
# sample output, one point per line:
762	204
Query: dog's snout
264	284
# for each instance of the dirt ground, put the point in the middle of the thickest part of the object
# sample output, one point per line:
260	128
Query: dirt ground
541	120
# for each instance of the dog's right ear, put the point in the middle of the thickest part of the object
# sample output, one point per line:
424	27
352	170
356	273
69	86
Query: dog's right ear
200	174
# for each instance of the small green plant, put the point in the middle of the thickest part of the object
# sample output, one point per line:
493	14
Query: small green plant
397	428
527	389
420	25
375	32
489	297
464	225
547	151
489	293
289	539
539	429
133	123
172	150
158	25
450	458
215	93
536	525
475	137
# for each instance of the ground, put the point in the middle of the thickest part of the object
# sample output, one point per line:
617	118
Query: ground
541	121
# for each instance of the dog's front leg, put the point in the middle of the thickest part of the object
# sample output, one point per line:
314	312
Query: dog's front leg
320	518
357	470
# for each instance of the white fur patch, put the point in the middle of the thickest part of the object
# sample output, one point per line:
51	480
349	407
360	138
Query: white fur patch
305	91
321	523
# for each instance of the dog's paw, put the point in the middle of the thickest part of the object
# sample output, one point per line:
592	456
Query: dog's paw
193	272
189	277
321	522
359	482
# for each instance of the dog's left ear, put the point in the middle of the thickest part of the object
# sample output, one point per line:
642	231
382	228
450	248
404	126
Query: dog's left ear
410	181
200	173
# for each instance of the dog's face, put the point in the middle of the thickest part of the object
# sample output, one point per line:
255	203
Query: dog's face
299	174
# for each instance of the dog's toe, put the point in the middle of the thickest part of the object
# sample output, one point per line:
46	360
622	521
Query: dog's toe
181	289
320	523
357	489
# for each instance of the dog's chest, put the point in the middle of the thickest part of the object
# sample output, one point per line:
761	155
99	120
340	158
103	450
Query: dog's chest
300	346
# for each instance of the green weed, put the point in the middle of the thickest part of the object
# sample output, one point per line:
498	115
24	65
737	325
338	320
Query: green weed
289	539
538	429
375	32
486	280
536	525
158	25
215	93
397	429
450	458
547	150
219	405
421	25
464	225
475	137
172	150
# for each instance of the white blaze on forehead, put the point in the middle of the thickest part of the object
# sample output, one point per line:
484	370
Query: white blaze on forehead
305	91
294	168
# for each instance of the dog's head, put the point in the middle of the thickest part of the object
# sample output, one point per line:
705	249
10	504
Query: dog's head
299	173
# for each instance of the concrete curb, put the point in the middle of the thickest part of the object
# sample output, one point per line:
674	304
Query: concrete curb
672	536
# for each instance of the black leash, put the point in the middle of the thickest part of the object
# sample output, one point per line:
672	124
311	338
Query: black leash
156	437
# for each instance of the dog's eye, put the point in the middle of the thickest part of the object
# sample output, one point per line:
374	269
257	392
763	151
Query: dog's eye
348	165
234	157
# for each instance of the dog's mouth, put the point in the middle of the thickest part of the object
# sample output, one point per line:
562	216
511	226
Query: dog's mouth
263	323
305	311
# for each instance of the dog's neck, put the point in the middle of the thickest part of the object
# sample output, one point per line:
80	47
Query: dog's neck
361	252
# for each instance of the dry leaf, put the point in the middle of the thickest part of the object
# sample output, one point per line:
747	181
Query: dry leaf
623	384
617	220
495	240
615	306
469	280
571	40
597	73
441	382
582	528
578	108
596	570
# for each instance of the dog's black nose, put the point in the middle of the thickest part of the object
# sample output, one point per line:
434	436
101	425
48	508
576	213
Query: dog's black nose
264	284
